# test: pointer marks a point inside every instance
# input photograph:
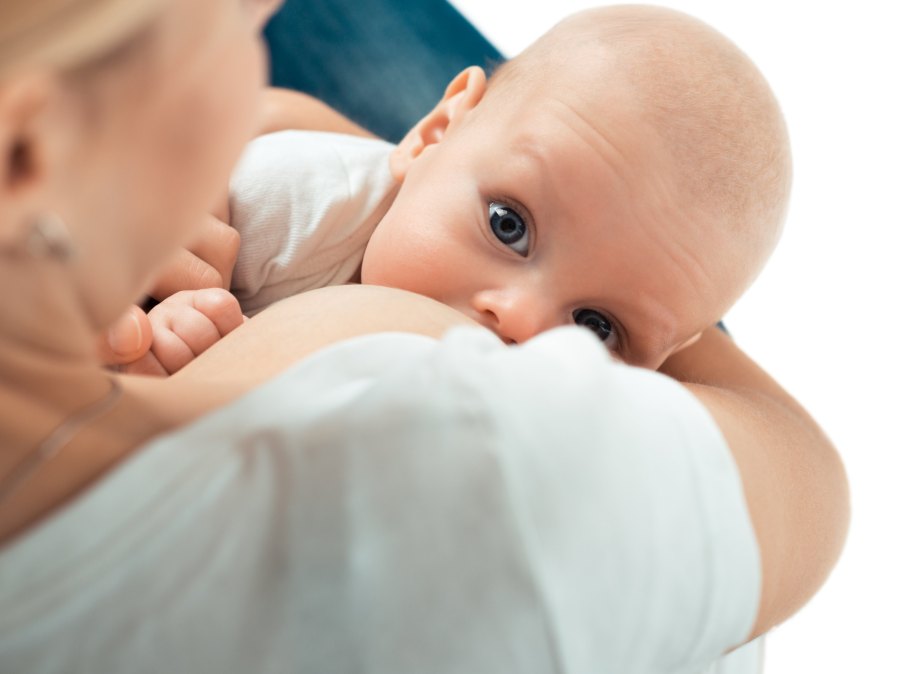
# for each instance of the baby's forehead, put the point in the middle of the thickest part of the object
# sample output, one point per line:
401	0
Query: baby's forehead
590	99
583	160
732	165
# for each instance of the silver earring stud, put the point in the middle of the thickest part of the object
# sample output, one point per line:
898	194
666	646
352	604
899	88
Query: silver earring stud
49	237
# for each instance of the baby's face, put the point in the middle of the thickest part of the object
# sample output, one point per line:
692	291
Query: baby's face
530	216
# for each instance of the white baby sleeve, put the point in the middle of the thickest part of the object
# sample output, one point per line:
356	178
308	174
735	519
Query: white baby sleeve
305	204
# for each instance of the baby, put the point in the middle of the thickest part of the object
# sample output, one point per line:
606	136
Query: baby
628	172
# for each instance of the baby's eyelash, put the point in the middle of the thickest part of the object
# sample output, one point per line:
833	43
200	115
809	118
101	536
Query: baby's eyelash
622	335
518	207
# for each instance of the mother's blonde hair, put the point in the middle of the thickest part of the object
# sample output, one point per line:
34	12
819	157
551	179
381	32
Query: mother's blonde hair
66	34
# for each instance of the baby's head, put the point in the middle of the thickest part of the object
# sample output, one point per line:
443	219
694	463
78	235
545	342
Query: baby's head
628	172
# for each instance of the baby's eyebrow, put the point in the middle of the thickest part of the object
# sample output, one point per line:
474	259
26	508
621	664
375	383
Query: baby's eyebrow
532	156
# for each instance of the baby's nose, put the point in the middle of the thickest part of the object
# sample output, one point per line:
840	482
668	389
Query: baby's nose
516	317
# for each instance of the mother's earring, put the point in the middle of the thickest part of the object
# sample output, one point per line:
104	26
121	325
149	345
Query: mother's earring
47	238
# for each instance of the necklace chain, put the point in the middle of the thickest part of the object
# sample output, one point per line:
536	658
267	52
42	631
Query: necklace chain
59	437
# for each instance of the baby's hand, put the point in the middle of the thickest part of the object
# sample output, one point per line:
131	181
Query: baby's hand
185	325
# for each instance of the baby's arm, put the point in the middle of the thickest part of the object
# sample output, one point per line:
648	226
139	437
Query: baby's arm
210	261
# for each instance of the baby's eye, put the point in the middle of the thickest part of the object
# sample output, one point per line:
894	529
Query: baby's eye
509	227
599	324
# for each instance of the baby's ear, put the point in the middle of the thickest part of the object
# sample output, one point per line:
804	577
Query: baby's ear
463	93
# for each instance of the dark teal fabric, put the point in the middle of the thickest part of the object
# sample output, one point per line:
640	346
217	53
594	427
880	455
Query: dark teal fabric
383	63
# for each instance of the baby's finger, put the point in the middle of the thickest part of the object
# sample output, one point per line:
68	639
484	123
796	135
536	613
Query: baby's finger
195	330
170	350
221	307
148	364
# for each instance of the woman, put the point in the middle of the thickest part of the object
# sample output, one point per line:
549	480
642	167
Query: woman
393	503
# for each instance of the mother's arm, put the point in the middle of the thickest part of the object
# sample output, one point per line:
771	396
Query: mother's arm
284	109
793	480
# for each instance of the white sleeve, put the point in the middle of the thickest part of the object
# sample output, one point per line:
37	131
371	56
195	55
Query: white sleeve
397	505
305	204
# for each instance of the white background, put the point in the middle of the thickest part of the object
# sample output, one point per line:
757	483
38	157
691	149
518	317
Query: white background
823	317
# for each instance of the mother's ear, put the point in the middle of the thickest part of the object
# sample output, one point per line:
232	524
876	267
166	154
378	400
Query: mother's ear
463	93
23	152
22	156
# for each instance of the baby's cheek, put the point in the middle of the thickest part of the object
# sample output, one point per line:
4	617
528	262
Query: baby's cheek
377	261
388	259
394	257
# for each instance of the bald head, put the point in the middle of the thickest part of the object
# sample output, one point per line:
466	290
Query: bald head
710	106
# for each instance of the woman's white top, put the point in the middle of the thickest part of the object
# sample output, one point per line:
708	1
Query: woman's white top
396	504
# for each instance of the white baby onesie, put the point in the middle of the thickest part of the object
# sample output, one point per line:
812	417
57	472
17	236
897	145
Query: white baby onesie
305	204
